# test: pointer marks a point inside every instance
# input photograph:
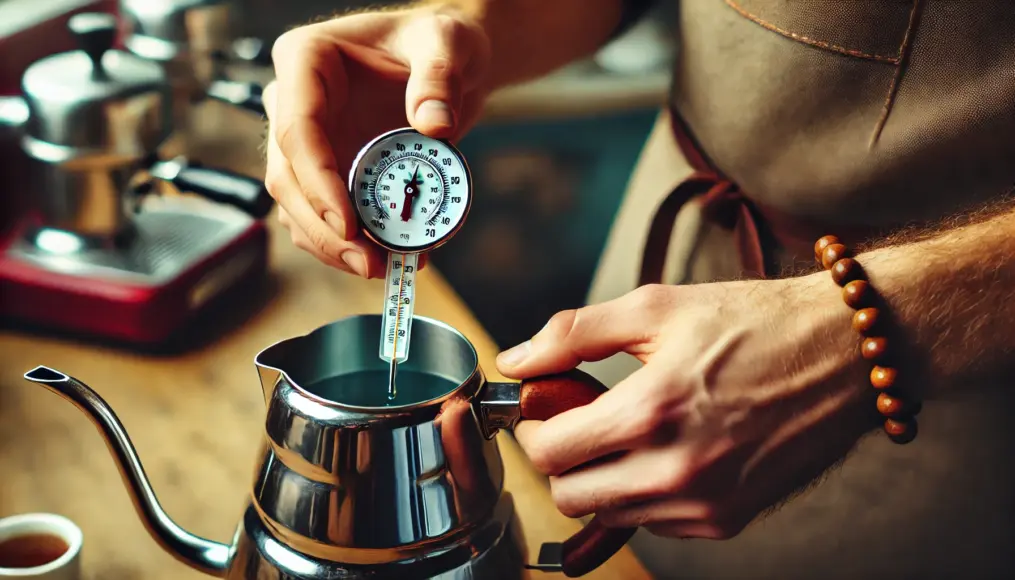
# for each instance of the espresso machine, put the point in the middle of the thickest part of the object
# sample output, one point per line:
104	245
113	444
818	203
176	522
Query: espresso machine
195	43
121	241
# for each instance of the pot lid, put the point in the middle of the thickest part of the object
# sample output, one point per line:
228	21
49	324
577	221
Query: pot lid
94	73
73	97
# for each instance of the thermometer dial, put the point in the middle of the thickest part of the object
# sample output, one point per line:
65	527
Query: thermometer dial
412	192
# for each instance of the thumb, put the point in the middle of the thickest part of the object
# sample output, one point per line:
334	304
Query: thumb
446	57
586	334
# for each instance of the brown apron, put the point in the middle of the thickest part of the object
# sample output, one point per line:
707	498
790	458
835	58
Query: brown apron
791	119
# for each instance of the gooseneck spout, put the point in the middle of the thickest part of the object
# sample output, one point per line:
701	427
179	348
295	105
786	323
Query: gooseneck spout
204	555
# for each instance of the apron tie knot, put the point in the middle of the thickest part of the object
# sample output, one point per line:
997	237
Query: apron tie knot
722	203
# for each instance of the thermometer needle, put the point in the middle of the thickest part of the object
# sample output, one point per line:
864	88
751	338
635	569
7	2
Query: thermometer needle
411	191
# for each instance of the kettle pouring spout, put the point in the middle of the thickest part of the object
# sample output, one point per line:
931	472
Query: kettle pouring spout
274	359
269	377
204	555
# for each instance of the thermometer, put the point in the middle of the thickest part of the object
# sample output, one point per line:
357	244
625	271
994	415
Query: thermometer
412	194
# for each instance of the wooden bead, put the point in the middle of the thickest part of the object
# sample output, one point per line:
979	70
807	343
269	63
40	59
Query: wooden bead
901	431
874	348
883	377
865	320
857	294
893	427
832	254
846	270
821	244
890	406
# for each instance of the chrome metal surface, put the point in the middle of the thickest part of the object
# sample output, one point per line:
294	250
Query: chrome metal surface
492	552
97	103
169	236
166	170
13	112
238	94
407	491
187	37
500	407
251	50
205	555
364	485
78	194
201	25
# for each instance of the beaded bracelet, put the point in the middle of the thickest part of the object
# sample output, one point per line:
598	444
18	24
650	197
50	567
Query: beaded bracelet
858	294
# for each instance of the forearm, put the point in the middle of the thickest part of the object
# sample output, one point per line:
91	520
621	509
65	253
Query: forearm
530	38
951	297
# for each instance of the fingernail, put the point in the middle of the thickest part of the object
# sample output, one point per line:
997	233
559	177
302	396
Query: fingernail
336	223
435	113
516	355
356	261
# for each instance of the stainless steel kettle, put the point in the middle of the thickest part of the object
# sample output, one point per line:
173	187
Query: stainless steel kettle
92	122
408	489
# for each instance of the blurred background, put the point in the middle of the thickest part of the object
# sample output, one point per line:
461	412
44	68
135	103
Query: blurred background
550	158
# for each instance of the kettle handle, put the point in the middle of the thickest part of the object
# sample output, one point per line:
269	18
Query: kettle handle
541	398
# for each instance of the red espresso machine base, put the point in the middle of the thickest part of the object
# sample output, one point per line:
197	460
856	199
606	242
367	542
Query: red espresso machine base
177	260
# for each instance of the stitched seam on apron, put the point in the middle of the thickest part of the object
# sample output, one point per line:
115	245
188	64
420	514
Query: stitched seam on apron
893	88
889	59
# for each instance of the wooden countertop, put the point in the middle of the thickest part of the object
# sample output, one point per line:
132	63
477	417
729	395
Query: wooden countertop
196	420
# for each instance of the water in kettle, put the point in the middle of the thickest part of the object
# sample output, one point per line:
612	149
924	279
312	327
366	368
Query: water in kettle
369	388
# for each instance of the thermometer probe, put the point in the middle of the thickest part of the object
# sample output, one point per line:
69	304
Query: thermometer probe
412	193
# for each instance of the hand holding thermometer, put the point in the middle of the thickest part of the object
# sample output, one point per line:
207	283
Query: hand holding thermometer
412	194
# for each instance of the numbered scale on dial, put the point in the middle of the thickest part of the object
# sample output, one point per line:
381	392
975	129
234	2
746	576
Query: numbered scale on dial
412	194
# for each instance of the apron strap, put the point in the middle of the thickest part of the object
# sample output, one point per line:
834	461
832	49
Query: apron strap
722	202
756	228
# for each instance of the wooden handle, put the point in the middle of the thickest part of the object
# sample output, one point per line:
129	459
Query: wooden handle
540	399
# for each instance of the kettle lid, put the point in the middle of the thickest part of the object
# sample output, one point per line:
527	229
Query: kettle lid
69	91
